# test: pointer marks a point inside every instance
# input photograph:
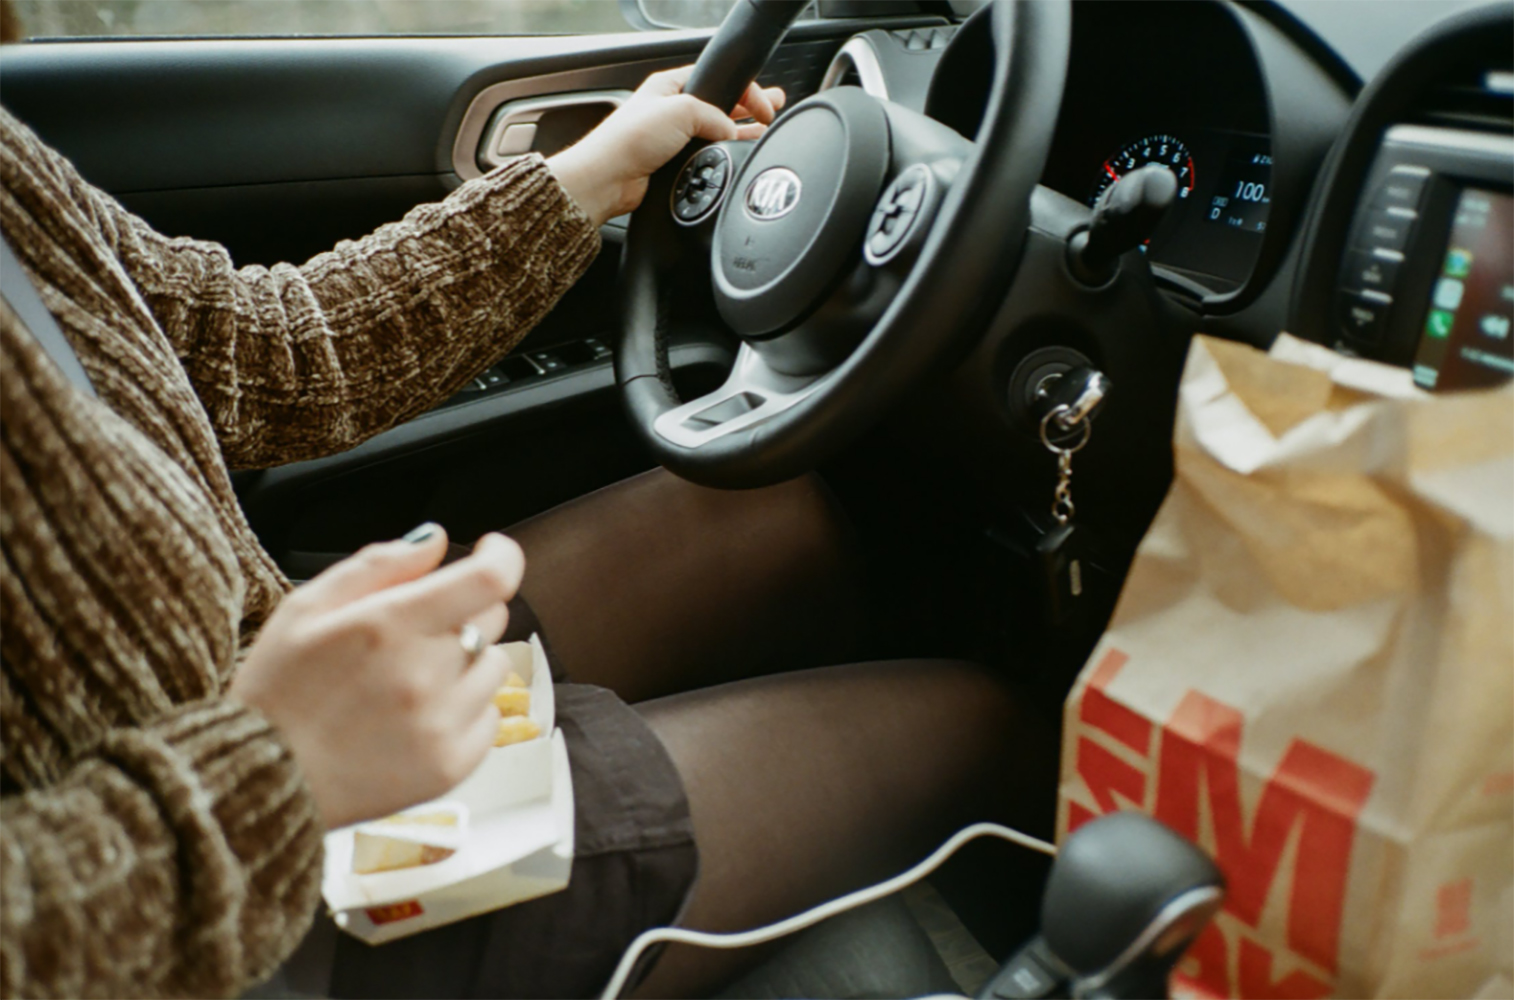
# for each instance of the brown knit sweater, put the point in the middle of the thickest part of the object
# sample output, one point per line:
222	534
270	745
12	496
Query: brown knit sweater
156	837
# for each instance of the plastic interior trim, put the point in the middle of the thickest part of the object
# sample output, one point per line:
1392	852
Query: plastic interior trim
858	54
750	378
1177	909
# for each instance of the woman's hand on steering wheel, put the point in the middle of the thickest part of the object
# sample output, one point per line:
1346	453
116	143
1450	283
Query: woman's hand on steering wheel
606	172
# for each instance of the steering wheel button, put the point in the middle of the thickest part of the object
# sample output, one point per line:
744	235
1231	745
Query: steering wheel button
700	184
898	207
694	206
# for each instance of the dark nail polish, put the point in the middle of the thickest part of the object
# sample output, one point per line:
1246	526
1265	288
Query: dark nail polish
423	533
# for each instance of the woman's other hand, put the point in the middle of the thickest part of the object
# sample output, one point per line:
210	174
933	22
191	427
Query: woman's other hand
363	671
606	171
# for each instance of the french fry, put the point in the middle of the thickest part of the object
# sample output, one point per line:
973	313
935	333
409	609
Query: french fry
516	729
512	701
422	819
386	854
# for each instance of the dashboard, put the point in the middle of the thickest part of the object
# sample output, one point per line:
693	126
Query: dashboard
1405	226
1188	96
1409	257
1288	169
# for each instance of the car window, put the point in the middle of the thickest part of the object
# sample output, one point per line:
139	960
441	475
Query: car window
1367	43
202	18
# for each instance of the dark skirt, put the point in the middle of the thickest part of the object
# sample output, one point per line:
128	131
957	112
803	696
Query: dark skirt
634	864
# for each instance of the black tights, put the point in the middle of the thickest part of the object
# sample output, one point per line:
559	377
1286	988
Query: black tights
698	605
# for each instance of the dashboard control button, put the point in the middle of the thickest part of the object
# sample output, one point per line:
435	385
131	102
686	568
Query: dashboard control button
548	362
1371	270
1402	188
1363	315
1387	229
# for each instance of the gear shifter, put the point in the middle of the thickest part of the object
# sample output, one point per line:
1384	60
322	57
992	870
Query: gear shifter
1125	899
1124	218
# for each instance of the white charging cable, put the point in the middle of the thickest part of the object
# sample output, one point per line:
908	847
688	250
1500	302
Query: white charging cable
824	911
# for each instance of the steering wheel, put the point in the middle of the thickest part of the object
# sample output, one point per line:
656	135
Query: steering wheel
851	249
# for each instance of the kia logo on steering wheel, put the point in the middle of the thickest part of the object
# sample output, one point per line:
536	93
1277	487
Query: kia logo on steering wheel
772	193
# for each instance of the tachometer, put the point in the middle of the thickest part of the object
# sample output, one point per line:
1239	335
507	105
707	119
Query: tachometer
1166	150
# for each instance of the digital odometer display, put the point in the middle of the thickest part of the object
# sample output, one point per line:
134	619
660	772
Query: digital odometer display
1467	341
1166	150
1242	199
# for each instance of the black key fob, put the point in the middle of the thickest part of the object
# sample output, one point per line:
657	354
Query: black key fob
1060	556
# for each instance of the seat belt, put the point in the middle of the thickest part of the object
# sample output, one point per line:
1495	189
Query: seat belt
21	295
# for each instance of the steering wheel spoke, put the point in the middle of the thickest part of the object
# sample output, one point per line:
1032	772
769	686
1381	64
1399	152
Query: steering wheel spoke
752	394
925	159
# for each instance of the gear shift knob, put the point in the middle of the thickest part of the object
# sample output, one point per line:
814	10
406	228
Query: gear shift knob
1124	218
1125	899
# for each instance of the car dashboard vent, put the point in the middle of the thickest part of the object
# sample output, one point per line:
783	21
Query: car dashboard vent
1482	102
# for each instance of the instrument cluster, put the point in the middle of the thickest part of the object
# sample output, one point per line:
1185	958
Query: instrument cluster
1175	84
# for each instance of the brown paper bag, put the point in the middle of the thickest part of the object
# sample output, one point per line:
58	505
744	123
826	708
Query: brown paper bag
1311	673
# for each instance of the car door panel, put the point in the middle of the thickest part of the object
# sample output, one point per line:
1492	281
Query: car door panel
288	221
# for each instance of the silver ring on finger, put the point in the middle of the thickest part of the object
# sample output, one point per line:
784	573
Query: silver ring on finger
472	641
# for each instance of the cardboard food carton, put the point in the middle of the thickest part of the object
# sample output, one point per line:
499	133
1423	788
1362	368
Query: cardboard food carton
508	828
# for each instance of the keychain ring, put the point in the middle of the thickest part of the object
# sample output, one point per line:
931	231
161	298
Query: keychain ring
1057	411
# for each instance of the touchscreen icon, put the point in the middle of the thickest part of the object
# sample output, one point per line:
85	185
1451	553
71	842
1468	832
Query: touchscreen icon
1438	324
1448	293
1458	263
1495	326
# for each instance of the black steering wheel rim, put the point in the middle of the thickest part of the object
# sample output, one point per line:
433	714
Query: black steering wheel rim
971	253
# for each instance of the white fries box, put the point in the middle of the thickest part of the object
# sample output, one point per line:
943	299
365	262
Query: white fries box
509	826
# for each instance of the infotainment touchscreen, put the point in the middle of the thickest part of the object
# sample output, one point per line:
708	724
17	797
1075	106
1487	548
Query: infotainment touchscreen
1466	339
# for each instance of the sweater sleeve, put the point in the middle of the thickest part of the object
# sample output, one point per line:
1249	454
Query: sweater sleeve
144	873
293	362
298	362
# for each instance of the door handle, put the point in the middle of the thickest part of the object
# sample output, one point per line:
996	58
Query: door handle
537	124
